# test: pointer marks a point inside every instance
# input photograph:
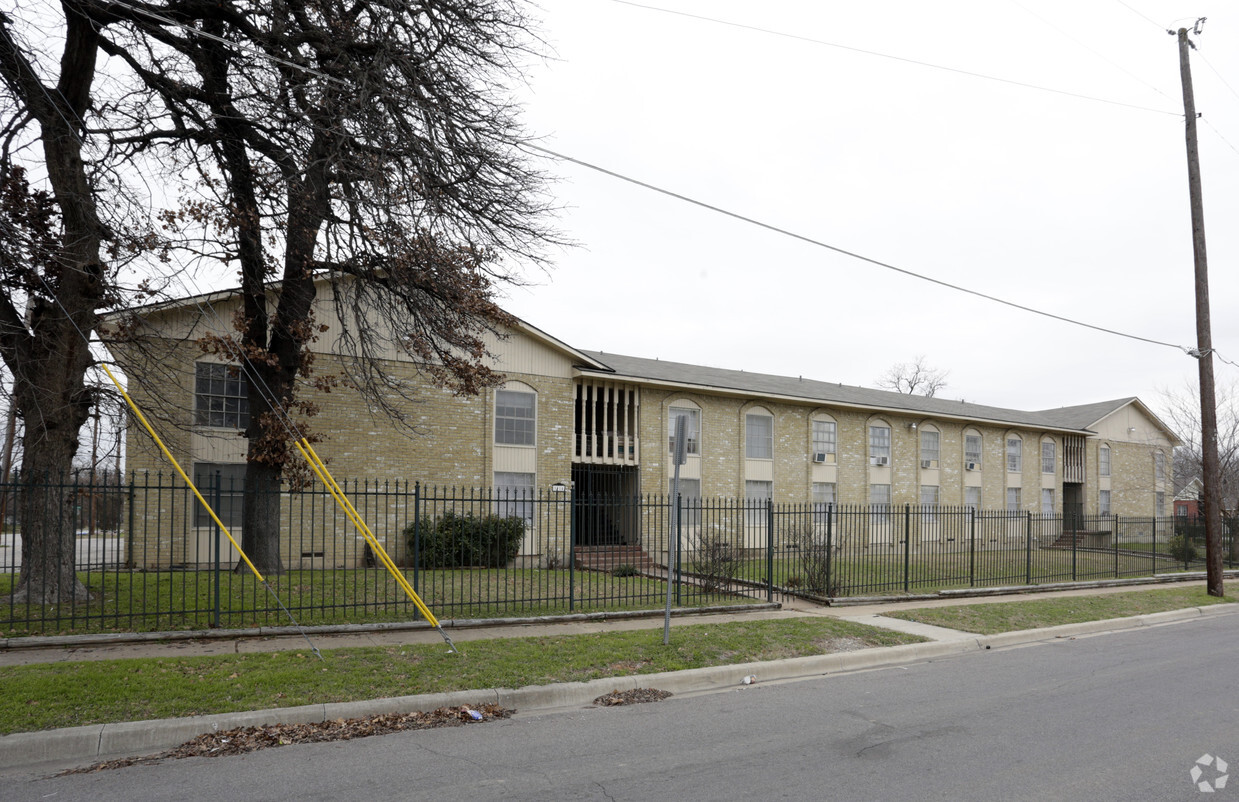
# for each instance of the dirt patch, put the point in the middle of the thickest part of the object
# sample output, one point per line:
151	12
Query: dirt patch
249	739
832	645
633	697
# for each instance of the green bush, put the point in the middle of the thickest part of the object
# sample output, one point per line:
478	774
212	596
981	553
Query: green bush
1182	549
465	541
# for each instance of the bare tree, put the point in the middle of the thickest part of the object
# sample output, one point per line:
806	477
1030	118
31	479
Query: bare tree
913	378
367	143
1181	409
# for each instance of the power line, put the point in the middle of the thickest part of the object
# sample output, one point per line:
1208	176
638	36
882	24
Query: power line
902	59
877	262
1152	22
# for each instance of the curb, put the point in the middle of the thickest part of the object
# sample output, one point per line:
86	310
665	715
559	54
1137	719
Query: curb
101	741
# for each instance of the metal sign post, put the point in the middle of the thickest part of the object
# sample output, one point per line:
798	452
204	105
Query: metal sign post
679	457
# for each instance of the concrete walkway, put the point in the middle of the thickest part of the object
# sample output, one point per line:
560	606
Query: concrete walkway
97	742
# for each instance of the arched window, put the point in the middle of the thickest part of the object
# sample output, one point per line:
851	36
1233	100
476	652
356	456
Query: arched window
692	425
1015	453
931	446
758	434
973	450
879	443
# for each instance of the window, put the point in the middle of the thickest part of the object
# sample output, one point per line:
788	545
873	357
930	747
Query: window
1015	455
929	447
514	418
690	500
1047	501
1103	502
1159	504
823	494
972	498
758	436
514	495
1047	456
929	502
220	398
879	444
223	486
689	488
824	437
1159	466
1013	499
972	449
756	494
1103	460
692	429
880	502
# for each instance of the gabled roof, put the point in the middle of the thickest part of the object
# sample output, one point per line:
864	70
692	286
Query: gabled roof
739	382
1088	416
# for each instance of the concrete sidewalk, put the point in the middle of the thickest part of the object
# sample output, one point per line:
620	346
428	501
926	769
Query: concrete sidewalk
98	742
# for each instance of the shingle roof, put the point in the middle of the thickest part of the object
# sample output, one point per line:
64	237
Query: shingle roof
1075	419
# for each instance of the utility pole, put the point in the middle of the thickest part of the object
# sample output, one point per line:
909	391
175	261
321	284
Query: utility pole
1204	336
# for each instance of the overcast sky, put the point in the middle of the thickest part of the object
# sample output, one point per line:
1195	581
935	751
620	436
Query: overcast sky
1073	205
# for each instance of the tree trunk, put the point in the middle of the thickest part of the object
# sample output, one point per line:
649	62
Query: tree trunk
260	518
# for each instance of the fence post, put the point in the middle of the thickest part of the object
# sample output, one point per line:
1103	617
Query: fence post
1114	539
972	547
133	477
572	547
679	546
1028	548
1075	542
830	512
417	534
770	550
1152	548
907	544
215	499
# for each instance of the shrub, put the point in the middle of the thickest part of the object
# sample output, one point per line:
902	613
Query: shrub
1182	549
465	541
814	557
715	562
625	570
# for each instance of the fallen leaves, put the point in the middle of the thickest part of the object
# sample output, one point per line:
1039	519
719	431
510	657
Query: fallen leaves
633	697
241	740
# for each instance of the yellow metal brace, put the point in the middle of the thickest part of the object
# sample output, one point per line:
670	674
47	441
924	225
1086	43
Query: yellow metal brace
324	475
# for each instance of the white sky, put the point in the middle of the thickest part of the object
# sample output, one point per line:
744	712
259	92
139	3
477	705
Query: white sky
1077	207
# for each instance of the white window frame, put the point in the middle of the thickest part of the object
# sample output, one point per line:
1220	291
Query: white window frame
1103	502
931	453
823	494
756	493
879	443
758	444
221	396
1047	501
1159	504
1015	454
692	429
1159	466
825	436
970	455
970	502
514	493
1103	461
515	429
1015	499
1049	456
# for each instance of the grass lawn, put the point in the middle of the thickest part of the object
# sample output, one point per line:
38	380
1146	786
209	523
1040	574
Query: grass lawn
881	569
46	696
138	601
991	619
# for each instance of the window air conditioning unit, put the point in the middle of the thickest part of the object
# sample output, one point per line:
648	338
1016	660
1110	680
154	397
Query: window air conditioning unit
819	456
880	461
926	463
971	466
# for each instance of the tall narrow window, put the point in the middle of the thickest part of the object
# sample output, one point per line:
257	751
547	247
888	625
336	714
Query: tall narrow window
824	439
1047	456
220	396
1103	502
692	428
880	502
972	450
823	494
1047	501
229	479
929	502
1015	455
1159	466
514	418
879	445
972	498
514	495
1103	460
1159	504
1013	499
756	494
929	447
758	436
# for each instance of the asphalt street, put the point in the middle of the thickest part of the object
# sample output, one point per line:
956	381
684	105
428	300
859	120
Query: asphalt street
1123	715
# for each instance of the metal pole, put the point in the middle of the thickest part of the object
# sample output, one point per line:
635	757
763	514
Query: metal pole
1204	337
572	547
770	550
215	503
1028	548
972	547
679	457
907	545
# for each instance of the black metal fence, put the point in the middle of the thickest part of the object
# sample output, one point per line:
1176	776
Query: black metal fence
149	559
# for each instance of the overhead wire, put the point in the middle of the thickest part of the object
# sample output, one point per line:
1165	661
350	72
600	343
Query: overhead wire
902	59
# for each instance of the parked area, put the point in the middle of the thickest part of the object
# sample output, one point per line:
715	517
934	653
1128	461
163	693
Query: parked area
153	561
